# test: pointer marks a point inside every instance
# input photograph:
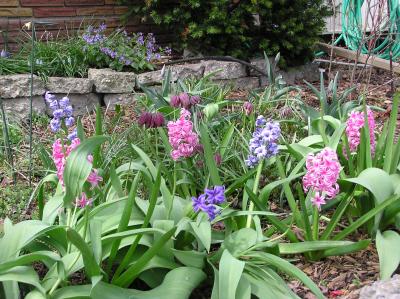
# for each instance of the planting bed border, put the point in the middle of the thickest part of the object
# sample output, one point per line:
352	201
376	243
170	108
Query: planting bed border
109	88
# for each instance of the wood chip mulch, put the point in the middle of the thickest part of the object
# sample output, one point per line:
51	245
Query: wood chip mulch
340	276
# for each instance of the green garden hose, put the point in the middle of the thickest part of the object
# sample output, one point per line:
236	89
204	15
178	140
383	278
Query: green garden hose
352	30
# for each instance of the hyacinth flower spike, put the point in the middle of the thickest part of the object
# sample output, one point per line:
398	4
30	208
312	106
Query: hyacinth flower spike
209	202
262	145
320	181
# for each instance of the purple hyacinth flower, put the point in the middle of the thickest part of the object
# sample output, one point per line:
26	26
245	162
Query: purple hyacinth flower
64	102
53	105
212	211
49	97
55	125
215	196
69	121
73	135
199	203
58	113
263	143
252	161
68	111
260	121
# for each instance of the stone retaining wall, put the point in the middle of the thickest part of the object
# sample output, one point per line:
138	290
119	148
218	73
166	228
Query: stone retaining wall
108	87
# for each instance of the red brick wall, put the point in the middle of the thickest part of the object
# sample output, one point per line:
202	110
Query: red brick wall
67	15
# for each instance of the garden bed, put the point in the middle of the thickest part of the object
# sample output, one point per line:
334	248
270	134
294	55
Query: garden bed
336	276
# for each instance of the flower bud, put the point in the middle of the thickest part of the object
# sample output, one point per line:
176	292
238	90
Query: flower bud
175	101
248	108
158	120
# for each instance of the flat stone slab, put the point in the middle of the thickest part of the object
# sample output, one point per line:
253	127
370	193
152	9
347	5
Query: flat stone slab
110	81
181	72
82	103
19	108
383	289
260	63
15	86
309	72
69	85
124	99
228	70
245	83
149	78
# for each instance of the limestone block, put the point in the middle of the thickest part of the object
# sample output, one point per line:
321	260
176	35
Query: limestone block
110	81
69	85
16	86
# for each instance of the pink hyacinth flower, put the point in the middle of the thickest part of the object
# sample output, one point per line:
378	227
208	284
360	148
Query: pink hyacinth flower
318	200
94	179
183	139
323	171
83	201
354	124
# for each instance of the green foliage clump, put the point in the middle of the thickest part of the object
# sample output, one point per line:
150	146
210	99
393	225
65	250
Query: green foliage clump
13	201
240	28
94	47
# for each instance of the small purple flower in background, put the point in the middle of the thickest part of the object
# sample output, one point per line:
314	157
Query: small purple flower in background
168	51
208	201
140	39
4	54
248	108
62	111
102	27
263	144
94	35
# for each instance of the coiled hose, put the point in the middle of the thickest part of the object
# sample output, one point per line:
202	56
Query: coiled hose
352	30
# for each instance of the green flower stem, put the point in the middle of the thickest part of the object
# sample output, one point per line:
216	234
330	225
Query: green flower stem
32	58
315	223
255	189
289	195
86	215
173	192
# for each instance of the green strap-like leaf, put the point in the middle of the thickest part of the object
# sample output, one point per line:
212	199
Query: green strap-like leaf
289	269
230	272
388	245
92	268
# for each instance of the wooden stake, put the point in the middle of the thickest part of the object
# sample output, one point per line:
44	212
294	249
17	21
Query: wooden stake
371	59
